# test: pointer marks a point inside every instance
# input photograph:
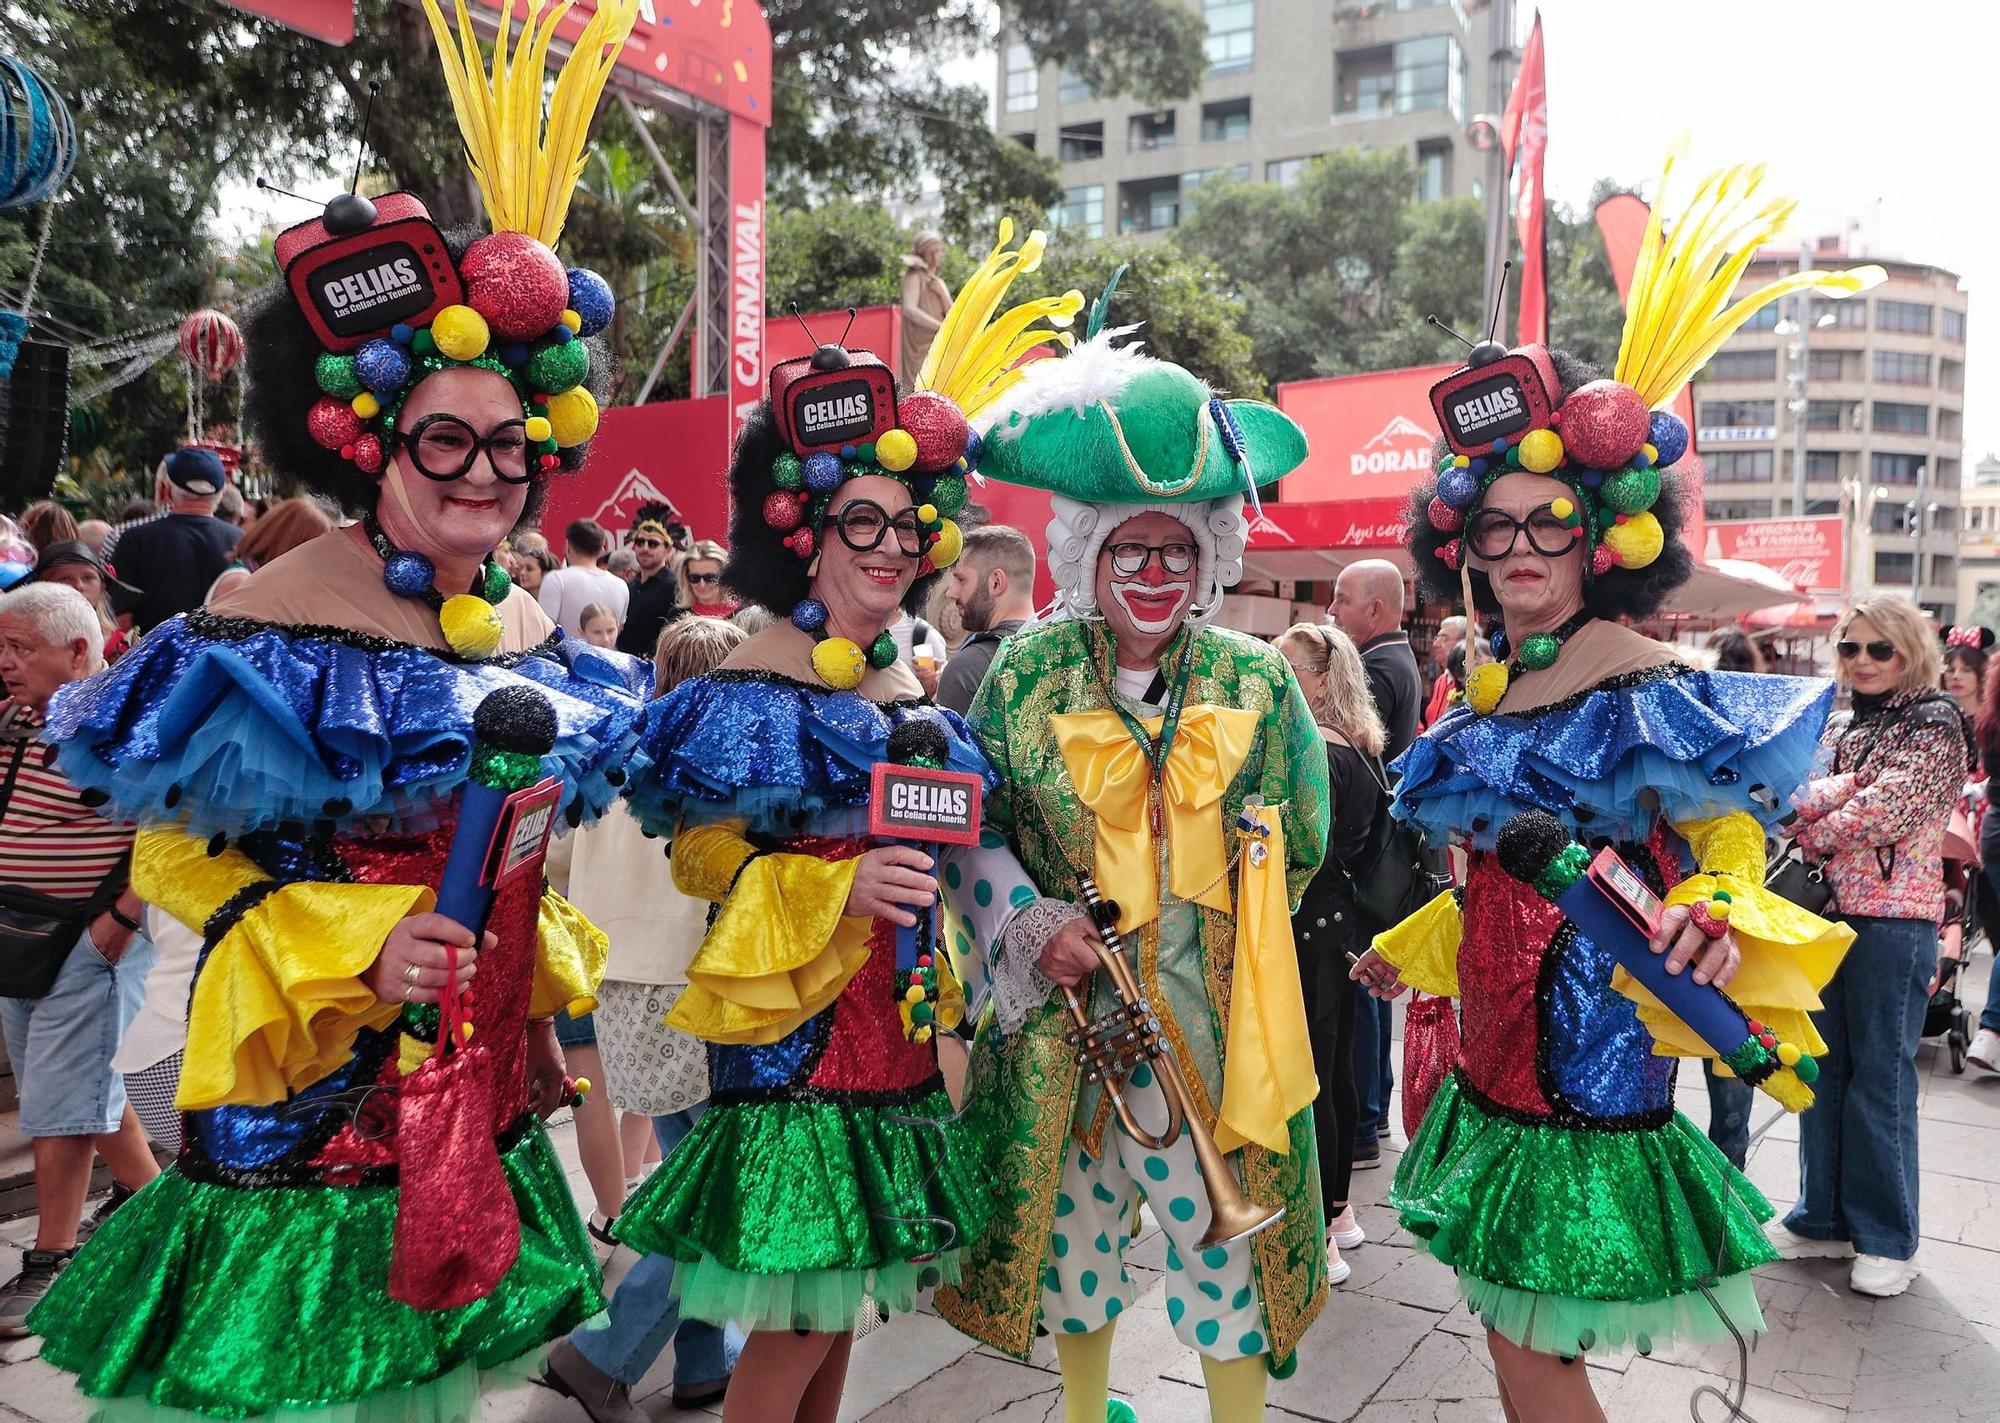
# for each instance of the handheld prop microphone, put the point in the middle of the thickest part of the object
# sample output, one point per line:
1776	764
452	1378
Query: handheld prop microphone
917	801
1606	899
507	808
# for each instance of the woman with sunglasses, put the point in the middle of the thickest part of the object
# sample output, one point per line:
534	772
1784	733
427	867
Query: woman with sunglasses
361	1217
1581	1213
700	573
829	1169
1875	820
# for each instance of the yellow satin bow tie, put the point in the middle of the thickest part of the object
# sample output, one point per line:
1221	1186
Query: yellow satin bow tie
1113	778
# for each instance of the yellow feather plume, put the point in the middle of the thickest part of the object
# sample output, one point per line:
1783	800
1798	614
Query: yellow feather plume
527	163
1690	261
973	358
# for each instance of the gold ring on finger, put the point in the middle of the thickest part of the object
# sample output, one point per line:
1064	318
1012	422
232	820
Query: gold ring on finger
410	973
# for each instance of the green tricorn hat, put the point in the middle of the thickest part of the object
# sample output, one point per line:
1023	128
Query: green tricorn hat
1107	425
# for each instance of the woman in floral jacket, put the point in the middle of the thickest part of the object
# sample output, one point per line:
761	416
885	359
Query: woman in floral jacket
1877	818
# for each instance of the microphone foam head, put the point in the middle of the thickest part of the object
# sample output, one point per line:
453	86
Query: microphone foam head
919	741
1529	843
518	719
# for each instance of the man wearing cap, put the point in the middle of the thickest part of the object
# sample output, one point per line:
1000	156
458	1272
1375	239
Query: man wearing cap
173	559
1174	768
75	564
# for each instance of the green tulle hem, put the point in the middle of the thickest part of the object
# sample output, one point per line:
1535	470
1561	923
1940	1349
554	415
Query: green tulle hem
811	1191
1555	1324
822	1301
1578	1214
231	1302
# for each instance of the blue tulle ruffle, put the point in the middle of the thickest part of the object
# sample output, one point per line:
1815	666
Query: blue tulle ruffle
775	753
248	731
1688	745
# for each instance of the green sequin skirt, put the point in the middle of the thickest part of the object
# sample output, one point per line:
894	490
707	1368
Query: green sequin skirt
787	1215
232	1301
1568	1240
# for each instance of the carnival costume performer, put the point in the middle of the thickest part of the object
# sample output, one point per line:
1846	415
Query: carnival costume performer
366	1209
828	1169
1581	1212
1176	767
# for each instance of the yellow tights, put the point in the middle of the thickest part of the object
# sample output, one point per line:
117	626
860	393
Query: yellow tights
1235	1386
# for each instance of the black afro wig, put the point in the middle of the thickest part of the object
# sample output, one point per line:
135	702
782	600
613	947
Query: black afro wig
281	388
1620	593
760	568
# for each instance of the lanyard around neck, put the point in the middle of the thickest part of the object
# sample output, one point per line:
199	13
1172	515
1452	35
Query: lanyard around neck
1156	750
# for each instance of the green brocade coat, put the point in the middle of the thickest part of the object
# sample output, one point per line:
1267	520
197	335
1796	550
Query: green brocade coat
1024	1091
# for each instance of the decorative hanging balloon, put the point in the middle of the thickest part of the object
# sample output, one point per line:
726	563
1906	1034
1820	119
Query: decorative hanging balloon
211	345
37	137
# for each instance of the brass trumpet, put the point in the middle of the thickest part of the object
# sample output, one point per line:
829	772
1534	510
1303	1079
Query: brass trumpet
1109	1048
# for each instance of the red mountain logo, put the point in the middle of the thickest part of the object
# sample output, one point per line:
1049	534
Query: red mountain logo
617	513
1402	447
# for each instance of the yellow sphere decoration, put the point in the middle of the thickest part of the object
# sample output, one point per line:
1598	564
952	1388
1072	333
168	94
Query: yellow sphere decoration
366	405
1789	1054
950	544
460	333
1541	451
1637	541
896	451
922	1034
914	994
573	416
537	428
838	663
572	320
471	626
1486	686
927	513
1718	910
1561	508
581	1086
1651	451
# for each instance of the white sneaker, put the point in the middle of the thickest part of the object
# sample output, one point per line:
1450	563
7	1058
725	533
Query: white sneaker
1337	1269
1881	1277
1345	1231
1985	1049
1791	1246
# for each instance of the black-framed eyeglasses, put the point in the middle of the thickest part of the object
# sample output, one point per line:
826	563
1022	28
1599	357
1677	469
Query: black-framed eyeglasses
444	447
1130	558
862	523
1877	651
1492	533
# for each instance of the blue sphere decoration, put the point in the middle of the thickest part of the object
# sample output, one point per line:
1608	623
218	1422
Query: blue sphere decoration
408	574
1499	447
1458	487
1497	644
384	367
401	333
824	472
590	297
1478	466
1640	461
1592	478
847	452
973	448
515	353
561	334
1668	434
809	615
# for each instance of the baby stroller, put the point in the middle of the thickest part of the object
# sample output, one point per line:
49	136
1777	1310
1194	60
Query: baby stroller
1945	1016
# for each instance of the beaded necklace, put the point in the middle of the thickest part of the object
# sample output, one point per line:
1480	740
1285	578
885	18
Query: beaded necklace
839	661
470	621
1486	685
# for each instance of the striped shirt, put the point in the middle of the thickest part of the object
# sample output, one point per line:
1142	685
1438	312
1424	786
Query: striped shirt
49	839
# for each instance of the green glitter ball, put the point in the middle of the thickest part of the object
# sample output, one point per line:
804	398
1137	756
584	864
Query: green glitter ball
785	472
559	366
883	652
1538	650
1631	491
948	494
336	375
423	343
497	583
505	770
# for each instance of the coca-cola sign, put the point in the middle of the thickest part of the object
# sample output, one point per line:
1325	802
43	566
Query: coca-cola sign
1806	552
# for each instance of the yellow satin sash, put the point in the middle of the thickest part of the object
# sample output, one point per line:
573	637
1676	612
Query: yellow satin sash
1113	778
1267	1064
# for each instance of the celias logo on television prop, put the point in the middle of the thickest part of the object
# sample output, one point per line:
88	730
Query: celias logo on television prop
1402	447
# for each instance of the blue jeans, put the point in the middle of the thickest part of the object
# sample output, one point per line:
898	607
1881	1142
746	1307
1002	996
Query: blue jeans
1729	1102
1989	850
625	1340
1858	1144
1374	1077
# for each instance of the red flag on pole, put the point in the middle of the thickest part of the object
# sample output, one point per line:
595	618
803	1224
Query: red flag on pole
1524	136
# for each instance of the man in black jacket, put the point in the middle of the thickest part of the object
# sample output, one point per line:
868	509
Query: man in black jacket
174	558
655	600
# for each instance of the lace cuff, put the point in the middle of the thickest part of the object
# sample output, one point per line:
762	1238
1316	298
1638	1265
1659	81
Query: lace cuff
1019	986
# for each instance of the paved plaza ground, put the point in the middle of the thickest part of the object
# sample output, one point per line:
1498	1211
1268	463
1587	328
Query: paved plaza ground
1393	1346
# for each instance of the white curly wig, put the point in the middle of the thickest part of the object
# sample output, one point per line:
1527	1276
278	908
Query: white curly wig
1079	530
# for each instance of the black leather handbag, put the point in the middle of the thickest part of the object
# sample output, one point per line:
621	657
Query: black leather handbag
1792	876
37	931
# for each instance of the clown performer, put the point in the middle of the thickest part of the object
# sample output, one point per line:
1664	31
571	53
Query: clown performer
829	1168
366	1210
1176	767
1581	1212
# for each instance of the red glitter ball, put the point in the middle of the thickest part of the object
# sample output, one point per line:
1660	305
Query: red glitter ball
925	568
938	428
332	423
1603	561
367	454
781	510
1444	518
1604	424
801	541
516	283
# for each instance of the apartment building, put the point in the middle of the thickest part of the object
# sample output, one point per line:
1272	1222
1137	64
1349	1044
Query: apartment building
1287	80
1877	384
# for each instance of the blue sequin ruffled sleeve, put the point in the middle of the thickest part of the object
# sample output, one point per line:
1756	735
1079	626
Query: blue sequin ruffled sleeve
782	756
1686	744
234	726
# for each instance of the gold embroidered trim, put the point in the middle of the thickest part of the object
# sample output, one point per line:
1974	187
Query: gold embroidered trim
1145	482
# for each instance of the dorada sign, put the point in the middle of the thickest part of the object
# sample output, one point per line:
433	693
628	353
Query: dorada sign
917	803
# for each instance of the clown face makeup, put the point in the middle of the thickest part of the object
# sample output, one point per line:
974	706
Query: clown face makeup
1145	577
